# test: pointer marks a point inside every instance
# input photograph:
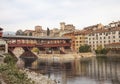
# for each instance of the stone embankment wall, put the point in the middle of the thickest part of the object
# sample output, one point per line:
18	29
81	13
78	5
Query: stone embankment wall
63	57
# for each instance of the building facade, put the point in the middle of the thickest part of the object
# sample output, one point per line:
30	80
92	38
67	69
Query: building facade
80	39
104	35
71	35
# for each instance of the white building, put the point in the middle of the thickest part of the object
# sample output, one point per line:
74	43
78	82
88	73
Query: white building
101	37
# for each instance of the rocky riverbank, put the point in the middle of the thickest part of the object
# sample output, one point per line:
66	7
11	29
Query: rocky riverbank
38	78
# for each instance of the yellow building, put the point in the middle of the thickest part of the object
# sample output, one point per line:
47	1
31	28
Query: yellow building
79	39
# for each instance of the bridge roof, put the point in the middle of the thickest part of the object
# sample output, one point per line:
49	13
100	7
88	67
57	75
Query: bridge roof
33	37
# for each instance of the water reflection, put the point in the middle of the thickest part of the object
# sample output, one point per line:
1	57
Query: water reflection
95	70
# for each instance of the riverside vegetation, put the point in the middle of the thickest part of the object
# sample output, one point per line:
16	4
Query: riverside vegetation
11	74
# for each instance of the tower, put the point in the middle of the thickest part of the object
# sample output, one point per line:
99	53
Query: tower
62	26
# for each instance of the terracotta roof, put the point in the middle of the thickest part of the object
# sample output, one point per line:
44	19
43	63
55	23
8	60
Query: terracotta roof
105	30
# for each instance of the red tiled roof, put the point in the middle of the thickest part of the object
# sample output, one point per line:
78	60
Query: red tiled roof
105	30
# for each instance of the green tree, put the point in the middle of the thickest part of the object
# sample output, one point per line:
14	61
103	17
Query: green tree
36	50
98	50
84	48
19	32
9	59
101	50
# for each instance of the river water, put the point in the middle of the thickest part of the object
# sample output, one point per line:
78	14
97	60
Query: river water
94	70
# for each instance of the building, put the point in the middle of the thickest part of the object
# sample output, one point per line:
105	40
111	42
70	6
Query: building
37	32
55	32
104	35
3	45
72	36
80	38
66	28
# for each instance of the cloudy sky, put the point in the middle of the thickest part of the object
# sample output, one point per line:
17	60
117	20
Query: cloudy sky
25	14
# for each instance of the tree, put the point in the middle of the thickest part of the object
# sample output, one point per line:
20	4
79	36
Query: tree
101	50
48	32
9	59
19	32
84	48
30	34
98	50
36	50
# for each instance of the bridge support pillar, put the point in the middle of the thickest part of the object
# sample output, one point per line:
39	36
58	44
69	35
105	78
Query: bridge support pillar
6	48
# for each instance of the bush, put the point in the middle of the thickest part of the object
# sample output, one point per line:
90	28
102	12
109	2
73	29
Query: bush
102	51
9	59
84	48
11	73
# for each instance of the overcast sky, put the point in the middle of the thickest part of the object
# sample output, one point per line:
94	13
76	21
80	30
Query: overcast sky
25	14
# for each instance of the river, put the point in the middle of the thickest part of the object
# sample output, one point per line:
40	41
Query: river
93	70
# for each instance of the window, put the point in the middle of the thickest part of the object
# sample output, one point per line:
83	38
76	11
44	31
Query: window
100	33
109	37
113	40
104	37
113	32
119	32
106	34
113	36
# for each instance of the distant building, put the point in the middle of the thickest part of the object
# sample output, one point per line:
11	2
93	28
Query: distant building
3	45
55	32
80	38
72	36
104	35
66	28
1	32
37	32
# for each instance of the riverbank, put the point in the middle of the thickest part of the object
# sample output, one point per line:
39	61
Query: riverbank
10	74
63	57
38	78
